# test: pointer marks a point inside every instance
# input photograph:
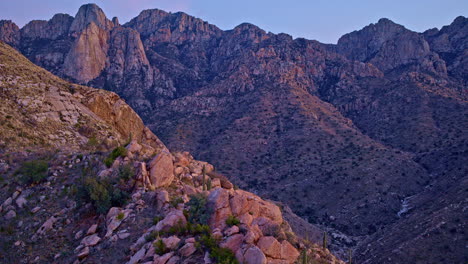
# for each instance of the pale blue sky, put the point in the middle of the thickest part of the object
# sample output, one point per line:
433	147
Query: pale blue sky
323	20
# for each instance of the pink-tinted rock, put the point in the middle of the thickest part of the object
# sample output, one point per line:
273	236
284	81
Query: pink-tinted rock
163	259
171	242
254	255
288	252
187	250
162	170
173	218
219	201
231	231
253	234
270	246
90	240
233	242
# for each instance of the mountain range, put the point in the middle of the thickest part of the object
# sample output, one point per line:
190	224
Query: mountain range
365	139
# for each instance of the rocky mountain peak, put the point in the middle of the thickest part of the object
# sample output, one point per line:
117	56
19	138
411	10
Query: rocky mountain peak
390	46
90	13
147	20
57	26
9	32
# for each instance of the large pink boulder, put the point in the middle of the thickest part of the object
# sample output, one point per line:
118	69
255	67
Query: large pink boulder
288	252
173	218
219	201
270	246
233	242
254	255
161	170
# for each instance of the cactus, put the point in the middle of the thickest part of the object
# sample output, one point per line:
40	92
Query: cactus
304	257
324	244
208	184
203	178
350	256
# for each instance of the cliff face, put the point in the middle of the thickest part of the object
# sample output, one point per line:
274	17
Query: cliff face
364	123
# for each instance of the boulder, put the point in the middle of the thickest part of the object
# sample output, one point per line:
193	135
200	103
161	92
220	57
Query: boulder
162	198
219	201
174	217
138	256
253	234
47	225
90	240
171	242
288	252
233	242
92	229
173	260
84	253
187	250
21	201
163	259
161	170
231	231
11	214
270	246
254	255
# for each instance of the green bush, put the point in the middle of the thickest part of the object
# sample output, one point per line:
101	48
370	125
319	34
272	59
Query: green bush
152	236
199	212
176	201
232	220
223	256
160	247
33	171
117	152
156	219
218	254
93	142
126	172
101	194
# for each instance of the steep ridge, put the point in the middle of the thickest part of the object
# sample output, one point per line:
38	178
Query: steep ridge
365	123
147	204
42	111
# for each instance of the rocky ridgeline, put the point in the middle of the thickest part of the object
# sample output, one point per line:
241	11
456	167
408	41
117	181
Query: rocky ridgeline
175	189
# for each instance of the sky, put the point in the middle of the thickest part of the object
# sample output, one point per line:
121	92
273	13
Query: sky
322	20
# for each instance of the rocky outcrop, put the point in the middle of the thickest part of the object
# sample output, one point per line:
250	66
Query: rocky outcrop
87	56
9	32
450	42
388	46
87	14
56	27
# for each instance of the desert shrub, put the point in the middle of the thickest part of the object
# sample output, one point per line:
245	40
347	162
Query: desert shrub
120	216
33	171
101	194
223	255
93	142
152	236
218	254
117	152
199	212
176	201
160	247
232	220
156	219
126	172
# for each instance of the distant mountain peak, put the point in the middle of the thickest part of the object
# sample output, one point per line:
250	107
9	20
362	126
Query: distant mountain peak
90	13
